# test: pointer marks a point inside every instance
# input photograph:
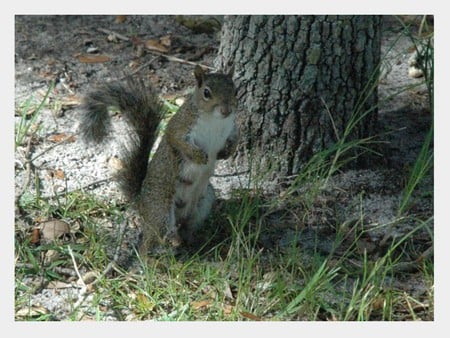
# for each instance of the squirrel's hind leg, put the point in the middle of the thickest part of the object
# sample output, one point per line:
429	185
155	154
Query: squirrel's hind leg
199	215
160	232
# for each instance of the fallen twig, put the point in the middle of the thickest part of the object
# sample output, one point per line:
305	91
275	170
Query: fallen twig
80	279
137	70
83	291
52	147
85	187
183	61
117	35
168	57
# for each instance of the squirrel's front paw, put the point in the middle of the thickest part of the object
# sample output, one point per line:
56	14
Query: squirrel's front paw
200	157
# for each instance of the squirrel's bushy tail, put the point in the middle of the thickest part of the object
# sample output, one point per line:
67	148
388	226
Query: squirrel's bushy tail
141	109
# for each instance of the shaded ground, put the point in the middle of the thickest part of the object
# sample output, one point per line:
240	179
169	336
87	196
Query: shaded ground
57	48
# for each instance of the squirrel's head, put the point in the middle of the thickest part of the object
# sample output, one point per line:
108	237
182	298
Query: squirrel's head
215	92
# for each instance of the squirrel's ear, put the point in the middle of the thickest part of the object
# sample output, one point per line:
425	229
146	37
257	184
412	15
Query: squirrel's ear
199	75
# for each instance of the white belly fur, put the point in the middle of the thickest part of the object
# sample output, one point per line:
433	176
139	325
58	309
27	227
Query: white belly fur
210	134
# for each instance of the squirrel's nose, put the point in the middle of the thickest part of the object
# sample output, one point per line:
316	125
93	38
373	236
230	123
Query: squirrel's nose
226	110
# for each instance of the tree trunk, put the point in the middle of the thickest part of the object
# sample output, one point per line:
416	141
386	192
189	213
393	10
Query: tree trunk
300	79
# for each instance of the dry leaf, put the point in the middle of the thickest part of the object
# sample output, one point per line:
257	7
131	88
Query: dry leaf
93	58
61	137
31	312
71	101
51	256
166	40
30	111
200	304
35	236
57	173
120	18
250	316
227	309
58	285
155	45
54	229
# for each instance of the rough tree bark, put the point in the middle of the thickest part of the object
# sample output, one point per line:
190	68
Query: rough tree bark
292	73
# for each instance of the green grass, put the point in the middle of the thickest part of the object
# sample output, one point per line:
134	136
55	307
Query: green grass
234	277
422	43
234	280
29	112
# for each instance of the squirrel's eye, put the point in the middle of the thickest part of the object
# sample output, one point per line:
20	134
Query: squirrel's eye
207	93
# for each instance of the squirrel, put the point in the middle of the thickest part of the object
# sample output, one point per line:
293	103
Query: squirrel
171	193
